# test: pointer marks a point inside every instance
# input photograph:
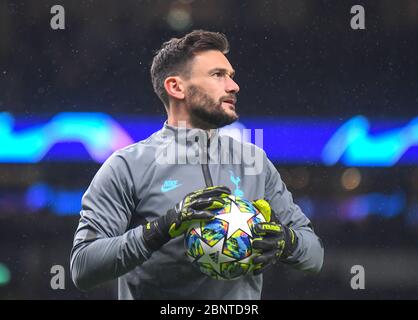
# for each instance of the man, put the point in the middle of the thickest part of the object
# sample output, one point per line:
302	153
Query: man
140	202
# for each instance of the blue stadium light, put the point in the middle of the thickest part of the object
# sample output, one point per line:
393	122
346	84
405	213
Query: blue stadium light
97	132
59	201
67	202
354	145
384	205
412	214
81	136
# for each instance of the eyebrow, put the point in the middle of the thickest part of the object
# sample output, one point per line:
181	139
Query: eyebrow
223	70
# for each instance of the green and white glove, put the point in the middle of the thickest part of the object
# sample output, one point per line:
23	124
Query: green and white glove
195	206
275	241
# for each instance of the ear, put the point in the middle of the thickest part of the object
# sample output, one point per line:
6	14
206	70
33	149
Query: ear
174	87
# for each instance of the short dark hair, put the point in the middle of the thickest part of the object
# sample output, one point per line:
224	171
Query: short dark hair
174	56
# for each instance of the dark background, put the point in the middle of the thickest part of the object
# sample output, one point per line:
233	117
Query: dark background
292	58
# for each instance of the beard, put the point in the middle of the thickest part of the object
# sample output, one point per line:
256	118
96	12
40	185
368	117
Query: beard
205	112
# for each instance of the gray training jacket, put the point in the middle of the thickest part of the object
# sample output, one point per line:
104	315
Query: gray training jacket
142	181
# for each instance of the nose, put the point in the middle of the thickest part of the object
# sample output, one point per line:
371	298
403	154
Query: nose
232	86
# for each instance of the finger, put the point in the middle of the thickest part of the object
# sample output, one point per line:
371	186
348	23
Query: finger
195	215
212	192
208	203
261	268
216	192
181	226
264	207
264	244
266	257
202	215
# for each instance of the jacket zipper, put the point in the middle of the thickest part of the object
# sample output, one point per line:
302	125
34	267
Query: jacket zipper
205	167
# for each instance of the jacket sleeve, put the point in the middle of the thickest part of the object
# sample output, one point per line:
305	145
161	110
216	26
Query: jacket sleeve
309	254
103	249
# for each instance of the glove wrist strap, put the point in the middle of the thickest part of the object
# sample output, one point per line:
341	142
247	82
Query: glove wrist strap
291	243
156	233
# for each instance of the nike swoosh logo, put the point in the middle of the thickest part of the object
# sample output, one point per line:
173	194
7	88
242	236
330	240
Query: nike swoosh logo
169	188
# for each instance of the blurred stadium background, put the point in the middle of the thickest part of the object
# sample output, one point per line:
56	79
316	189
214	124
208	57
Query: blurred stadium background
346	101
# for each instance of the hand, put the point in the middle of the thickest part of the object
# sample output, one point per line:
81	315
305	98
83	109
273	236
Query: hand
195	206
276	241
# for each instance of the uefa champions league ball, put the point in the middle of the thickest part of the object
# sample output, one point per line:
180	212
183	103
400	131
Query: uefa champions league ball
221	248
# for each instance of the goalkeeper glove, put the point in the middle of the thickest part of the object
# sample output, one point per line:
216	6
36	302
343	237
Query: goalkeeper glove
194	207
276	241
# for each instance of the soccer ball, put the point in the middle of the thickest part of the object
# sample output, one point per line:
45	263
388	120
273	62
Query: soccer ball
221	248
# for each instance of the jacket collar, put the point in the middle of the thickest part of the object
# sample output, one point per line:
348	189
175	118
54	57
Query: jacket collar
188	135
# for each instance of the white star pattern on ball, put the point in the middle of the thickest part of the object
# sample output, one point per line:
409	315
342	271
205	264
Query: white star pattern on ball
216	248
235	224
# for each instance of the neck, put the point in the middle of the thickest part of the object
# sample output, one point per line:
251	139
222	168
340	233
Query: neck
177	115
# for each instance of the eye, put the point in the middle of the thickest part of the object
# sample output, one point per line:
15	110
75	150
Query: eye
218	74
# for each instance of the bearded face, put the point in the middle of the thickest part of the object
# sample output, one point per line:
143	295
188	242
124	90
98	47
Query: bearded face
207	112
